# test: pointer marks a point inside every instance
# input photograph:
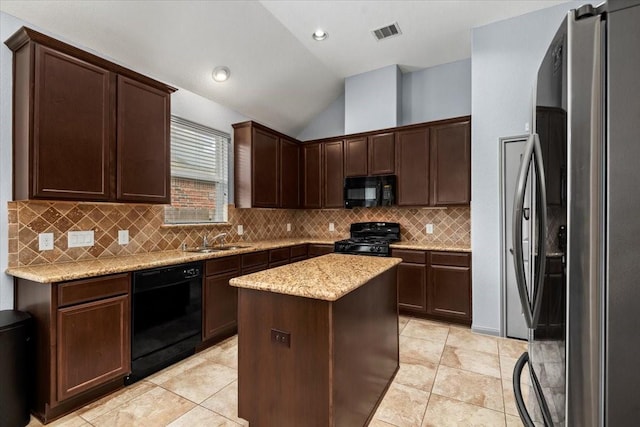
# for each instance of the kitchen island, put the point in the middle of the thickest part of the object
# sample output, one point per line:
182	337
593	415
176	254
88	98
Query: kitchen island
317	341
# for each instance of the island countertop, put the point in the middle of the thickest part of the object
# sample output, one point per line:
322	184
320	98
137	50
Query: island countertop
328	277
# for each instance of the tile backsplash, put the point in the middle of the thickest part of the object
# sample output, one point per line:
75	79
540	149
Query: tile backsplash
147	232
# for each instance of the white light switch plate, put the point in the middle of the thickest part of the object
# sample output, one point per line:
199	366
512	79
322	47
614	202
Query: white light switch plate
429	228
45	241
77	239
123	237
240	230
332	226
288	227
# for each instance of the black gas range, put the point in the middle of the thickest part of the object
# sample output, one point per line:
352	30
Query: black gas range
369	238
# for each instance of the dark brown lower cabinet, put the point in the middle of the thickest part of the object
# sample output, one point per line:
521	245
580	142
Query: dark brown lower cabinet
220	301
82	340
317	249
449	286
435	285
412	281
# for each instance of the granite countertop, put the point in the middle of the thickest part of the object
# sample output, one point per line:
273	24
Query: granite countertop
50	273
328	277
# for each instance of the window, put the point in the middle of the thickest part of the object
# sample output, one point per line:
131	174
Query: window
199	173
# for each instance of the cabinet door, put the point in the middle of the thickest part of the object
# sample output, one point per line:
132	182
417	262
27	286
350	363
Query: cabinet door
382	154
266	165
220	306
355	157
451	164
93	344
412	167
312	162
143	134
412	287
289	174
319	249
333	175
72	122
449	292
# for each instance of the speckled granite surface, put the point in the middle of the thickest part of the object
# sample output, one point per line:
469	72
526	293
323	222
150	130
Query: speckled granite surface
59	272
328	277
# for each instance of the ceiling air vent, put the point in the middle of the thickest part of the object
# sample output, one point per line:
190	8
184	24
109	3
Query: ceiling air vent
386	32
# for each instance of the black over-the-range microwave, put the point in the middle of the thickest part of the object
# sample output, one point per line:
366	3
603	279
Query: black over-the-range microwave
367	191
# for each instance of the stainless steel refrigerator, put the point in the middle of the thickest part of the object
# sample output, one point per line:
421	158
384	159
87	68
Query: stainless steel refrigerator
582	167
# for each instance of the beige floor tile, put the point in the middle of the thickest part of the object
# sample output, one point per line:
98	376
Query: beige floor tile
378	423
402	322
403	406
464	338
201	417
225	402
176	369
224	354
471	360
108	403
157	407
511	348
513	421
426	330
416	374
71	420
445	412
506	369
477	389
415	349
509	398
201	381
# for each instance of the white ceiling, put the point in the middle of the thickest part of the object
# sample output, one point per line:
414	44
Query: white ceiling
280	76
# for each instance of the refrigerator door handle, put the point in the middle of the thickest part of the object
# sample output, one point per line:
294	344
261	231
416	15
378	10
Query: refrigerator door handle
518	213
541	245
517	390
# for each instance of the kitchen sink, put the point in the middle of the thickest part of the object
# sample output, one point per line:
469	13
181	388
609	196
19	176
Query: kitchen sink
212	249
201	250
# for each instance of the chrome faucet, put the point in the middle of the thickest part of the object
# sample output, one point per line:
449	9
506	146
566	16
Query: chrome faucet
220	237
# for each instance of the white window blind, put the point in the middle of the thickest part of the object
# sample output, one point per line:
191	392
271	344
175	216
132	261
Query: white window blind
199	173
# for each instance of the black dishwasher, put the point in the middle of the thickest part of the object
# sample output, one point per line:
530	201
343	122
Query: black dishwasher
166	312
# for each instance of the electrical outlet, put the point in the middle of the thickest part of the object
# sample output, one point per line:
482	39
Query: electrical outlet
77	239
288	227
429	228
240	230
332	226
45	241
123	237
281	337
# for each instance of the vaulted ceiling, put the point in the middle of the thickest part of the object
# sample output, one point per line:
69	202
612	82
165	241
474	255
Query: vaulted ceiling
280	76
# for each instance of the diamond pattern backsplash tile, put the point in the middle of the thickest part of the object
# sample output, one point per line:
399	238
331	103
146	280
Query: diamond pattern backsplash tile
147	232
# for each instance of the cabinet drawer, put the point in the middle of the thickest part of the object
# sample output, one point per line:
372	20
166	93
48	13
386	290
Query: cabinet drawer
298	251
255	259
278	255
317	250
458	259
416	257
92	289
222	265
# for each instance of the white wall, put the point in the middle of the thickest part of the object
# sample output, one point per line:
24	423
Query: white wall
372	100
435	93
329	122
183	103
505	60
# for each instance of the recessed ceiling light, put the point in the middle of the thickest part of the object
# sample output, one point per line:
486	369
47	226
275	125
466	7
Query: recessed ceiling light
320	35
221	74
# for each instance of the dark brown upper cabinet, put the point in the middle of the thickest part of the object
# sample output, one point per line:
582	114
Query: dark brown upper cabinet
451	163
333	191
290	172
267	167
312	176
412	166
85	128
369	155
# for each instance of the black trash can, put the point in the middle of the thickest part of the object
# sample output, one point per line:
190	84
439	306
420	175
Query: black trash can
15	369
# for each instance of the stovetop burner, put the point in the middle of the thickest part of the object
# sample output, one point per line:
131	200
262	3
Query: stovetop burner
369	238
